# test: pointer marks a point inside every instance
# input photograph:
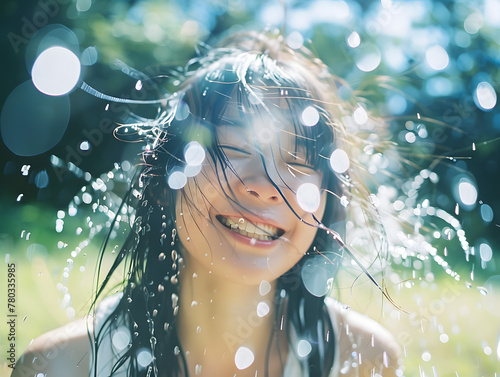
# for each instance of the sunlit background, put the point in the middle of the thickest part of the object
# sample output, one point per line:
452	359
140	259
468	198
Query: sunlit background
431	68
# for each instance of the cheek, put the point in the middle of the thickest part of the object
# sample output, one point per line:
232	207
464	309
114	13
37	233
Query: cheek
304	234
203	189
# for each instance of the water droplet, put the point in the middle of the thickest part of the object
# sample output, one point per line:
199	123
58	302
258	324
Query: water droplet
354	40
161	257
304	348
87	198
243	358
346	367
262	309
84	145
264	287
483	291
197	369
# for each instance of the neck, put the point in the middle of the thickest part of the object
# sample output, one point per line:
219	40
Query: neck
216	317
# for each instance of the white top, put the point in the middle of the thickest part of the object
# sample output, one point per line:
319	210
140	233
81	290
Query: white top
111	348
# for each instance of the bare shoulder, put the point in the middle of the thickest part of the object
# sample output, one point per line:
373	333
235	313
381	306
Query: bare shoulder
366	348
62	352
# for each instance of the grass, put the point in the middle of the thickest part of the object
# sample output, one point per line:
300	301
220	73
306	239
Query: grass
444	328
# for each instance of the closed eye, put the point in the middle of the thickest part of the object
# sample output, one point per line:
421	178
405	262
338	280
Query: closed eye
235	151
301	168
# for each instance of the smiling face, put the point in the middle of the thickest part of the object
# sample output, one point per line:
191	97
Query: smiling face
240	217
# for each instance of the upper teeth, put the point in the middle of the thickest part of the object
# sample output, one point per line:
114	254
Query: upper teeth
245	227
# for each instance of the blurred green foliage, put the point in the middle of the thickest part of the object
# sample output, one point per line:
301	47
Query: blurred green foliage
388	51
395	68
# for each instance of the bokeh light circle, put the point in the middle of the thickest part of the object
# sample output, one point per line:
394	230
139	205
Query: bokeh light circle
304	348
47	37
31	122
310	116
194	153
308	197
485	97
56	71
177	180
339	161
317	275
367	57
144	358
467	192
437	57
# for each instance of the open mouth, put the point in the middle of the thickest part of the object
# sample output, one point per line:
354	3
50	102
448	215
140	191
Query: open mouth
259	231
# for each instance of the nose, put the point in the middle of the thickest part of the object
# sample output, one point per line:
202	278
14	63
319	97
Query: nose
261	189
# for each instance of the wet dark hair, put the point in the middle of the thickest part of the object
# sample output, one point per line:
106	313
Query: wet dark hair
254	71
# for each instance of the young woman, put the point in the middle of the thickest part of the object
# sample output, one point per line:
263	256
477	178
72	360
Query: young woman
237	235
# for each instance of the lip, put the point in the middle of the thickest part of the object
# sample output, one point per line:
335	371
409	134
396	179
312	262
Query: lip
250	240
